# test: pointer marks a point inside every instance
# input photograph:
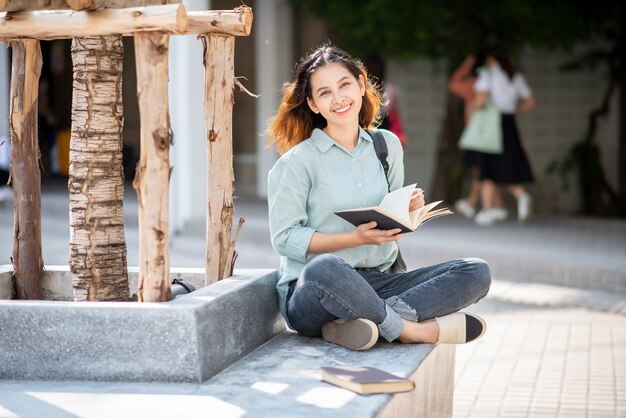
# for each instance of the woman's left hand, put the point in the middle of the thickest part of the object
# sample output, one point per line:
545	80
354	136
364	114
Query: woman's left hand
417	200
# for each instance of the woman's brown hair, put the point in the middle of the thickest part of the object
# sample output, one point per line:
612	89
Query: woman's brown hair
294	121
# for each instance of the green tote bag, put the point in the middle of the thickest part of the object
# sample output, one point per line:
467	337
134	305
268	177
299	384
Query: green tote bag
483	132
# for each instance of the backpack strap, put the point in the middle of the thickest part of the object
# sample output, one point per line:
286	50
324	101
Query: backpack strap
380	146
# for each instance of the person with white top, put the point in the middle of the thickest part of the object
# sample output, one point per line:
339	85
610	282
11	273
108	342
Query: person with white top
461	84
508	91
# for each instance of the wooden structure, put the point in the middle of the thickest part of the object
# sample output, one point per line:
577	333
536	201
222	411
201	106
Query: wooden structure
151	27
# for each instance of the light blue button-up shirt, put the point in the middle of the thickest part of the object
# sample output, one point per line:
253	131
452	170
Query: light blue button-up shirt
313	180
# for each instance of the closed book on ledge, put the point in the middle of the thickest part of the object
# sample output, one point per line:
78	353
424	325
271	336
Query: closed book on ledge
366	380
393	212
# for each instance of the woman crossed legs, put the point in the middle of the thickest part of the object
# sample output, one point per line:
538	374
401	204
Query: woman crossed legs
402	305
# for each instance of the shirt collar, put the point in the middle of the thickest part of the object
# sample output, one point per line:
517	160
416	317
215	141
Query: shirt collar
323	142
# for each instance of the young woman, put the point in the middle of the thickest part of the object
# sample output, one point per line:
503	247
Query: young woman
461	84
510	93
333	277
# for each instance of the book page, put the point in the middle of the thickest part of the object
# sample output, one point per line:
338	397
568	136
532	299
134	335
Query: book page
397	202
418	214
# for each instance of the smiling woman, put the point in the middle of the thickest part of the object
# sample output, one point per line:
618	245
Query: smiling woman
334	279
337	97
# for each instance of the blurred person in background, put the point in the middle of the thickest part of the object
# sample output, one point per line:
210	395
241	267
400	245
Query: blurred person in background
6	191
511	95
389	112
461	84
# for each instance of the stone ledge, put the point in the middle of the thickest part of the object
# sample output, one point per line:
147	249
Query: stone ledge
283	376
186	340
57	281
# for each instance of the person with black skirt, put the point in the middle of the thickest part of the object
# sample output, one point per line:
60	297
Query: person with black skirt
508	91
461	84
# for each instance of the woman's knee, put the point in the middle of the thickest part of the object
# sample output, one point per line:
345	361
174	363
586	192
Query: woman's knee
324	268
481	273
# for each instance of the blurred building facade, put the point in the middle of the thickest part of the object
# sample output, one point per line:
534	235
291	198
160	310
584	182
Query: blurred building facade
281	34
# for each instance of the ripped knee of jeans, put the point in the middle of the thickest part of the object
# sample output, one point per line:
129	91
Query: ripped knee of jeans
401	307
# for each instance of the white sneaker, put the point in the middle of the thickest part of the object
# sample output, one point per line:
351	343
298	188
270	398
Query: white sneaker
488	217
524	207
500	214
464	208
6	194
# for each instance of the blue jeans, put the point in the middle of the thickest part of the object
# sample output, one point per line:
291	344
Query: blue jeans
329	288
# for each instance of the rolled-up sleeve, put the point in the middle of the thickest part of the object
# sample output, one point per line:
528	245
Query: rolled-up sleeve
289	184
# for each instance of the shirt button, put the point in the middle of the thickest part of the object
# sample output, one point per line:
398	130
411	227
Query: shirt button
359	184
354	159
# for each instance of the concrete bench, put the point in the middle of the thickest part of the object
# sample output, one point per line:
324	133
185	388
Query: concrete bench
282	379
228	339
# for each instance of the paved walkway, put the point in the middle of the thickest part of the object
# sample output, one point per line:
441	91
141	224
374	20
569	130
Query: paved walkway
550	350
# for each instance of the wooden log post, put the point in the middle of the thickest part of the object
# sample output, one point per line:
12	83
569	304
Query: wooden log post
25	174
153	171
219	52
96	180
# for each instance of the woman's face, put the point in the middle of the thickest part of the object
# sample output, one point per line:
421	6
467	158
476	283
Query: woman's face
336	94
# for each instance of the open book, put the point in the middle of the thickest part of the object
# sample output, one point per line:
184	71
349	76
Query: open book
366	380
393	212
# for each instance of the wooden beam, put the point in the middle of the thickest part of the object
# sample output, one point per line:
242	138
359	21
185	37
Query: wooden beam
153	171
17	5
219	56
23	5
237	22
114	4
25	174
61	24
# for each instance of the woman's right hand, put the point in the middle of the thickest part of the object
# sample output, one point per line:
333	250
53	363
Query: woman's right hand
367	234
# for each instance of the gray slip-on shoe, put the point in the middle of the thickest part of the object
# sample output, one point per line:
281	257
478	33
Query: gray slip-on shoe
356	334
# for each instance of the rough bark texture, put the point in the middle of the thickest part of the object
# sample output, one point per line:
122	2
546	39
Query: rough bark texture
153	172
62	24
219	84
25	174
96	179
